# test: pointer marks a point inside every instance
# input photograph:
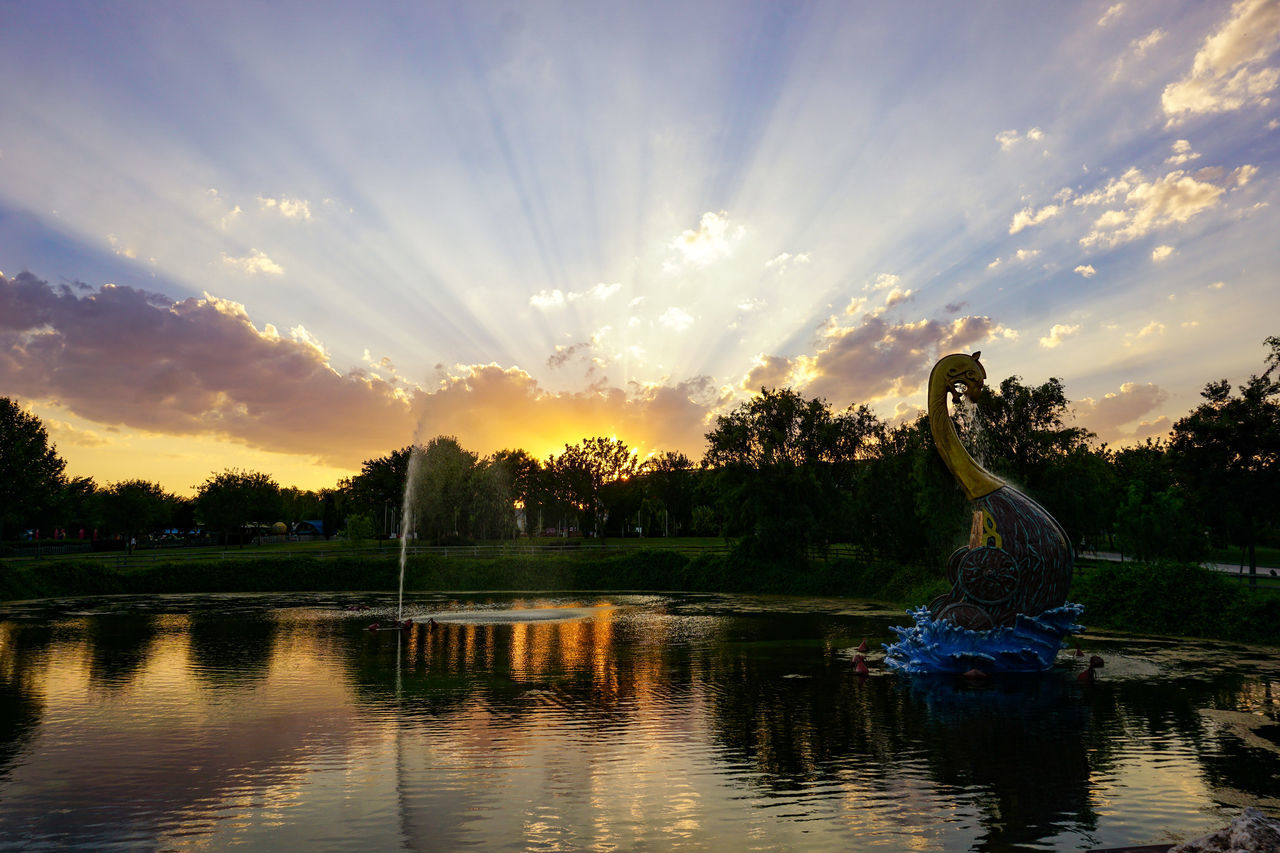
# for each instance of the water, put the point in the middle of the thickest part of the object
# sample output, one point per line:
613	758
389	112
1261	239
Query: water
607	722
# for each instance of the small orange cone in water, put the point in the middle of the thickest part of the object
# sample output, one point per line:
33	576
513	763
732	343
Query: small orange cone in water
976	673
862	647
861	667
1086	677
1079	653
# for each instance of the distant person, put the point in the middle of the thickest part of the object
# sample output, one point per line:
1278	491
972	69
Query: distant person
133	543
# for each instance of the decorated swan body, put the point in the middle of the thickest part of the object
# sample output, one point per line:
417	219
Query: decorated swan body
1019	559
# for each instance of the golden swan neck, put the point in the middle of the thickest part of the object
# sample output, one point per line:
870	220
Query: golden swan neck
951	372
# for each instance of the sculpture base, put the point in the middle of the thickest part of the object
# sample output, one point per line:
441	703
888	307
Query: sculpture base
1031	644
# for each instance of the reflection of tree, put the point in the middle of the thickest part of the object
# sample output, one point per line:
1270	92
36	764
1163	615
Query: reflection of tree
119	645
1020	743
20	708
231	652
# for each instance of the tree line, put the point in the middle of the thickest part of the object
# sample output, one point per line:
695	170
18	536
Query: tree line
782	476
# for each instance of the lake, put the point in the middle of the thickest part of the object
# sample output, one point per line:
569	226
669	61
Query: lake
599	722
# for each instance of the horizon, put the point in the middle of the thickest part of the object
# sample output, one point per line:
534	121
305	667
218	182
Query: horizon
292	243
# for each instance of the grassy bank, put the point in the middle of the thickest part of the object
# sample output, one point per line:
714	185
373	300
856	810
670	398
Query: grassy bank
1169	599
638	569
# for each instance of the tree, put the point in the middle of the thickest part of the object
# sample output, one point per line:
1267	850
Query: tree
525	484
228	501
786	468
442	499
585	469
31	472
378	489
135	507
1228	452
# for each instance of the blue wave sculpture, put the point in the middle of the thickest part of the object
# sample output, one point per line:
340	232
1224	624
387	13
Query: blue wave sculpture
935	645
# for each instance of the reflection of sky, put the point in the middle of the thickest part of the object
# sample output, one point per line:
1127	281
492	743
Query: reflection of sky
637	727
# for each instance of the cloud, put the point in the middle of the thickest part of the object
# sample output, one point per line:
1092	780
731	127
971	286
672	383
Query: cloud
1150	40
126	357
1146	205
1086	270
557	298
1228	72
118	356
897	297
1109	416
1026	218
490	407
1026	254
874	358
1057	335
1218	285
1182	153
1009	139
883	281
1112	13
1160	253
676	319
785	261
290	208
255	263
715	239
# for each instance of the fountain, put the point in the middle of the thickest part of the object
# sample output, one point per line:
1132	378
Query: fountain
1007	610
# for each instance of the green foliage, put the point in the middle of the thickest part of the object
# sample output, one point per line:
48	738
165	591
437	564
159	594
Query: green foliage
359	529
1227	452
1176	599
136	507
31	472
228	501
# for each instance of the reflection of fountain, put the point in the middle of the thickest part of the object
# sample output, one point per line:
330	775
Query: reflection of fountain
1007	609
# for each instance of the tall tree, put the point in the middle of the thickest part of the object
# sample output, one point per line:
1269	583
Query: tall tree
1228	452
585	469
135	507
228	501
31	472
785	468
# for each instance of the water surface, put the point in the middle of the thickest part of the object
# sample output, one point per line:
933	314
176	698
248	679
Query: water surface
606	722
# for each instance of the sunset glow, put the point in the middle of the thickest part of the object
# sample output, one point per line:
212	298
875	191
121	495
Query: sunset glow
292	238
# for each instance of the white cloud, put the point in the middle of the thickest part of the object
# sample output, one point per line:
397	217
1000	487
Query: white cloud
1150	40
786	260
883	281
1086	270
1057	335
1025	218
1227	73
1182	153
291	208
713	240
1218	285
556	297
1175	198
1160	253
1009	139
994	264
676	319
897	297
1109	16
1026	254
253	264
1244	174
547	298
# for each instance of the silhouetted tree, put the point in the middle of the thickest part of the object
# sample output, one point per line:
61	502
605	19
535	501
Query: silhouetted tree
228	501
31	472
1227	451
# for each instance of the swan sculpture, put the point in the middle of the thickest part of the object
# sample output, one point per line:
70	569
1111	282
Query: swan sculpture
1019	559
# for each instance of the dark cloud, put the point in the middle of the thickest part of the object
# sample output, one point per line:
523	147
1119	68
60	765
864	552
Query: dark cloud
123	356
878	358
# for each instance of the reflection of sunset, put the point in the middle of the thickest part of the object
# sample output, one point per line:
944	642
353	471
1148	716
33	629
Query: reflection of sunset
640	722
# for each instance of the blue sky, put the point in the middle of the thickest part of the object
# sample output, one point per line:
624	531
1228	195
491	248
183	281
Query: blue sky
291	238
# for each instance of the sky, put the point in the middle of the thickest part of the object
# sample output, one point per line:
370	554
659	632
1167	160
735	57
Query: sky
292	237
